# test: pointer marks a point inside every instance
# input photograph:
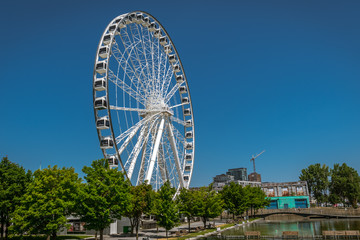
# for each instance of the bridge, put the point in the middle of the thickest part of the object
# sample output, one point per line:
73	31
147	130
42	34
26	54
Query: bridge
312	212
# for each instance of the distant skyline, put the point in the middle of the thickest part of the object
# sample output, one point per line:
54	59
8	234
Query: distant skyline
276	75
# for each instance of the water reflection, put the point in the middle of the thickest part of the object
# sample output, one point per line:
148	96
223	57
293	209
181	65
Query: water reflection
304	227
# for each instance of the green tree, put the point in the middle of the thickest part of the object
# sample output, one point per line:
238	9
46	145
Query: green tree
104	197
141	203
186	201
49	198
208	203
317	178
233	196
255	199
165	208
344	185
14	180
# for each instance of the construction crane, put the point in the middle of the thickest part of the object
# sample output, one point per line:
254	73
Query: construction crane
253	159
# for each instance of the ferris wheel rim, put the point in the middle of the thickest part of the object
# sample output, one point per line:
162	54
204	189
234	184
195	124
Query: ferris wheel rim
122	19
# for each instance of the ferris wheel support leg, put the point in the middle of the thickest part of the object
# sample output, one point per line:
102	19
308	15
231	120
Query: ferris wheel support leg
136	150
161	163
155	150
176	156
127	141
142	165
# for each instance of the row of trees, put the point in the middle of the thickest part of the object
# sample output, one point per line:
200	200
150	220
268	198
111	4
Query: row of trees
40	202
341	184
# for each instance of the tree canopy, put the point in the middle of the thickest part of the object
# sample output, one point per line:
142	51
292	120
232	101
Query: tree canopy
317	178
165	209
142	198
187	203
14	181
345	185
48	200
208	203
104	197
235	201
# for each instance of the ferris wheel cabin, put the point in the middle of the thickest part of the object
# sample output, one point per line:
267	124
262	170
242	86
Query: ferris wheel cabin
112	161
106	143
176	68
188	123
179	78
189	145
104	52
187	112
152	27
103	123
100	84
106	39
189	134
188	157
182	89
101	67
146	22
163	41
185	100
157	33
167	49
100	103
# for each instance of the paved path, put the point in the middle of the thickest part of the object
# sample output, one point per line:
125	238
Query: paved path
154	234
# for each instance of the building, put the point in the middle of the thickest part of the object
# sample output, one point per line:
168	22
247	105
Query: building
239	174
287	194
221	180
282	195
254	177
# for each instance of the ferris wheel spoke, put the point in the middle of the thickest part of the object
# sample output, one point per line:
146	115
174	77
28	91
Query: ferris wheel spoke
167	80
131	129
141	175
135	152
154	151
177	120
172	92
126	88
178	105
143	34
134	59
128	69
175	154
127	109
138	36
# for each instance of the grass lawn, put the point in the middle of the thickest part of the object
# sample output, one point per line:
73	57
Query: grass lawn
44	237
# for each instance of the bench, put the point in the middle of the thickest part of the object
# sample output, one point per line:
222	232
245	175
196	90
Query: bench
290	234
252	234
337	234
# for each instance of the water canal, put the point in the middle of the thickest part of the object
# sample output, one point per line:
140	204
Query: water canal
306	228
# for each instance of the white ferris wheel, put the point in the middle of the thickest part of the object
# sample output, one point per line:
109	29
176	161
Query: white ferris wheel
142	103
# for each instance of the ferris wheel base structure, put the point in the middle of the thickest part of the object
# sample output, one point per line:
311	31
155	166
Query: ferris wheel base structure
142	103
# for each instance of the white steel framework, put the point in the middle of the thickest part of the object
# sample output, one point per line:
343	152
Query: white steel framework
142	104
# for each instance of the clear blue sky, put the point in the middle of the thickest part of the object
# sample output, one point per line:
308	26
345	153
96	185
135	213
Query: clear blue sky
276	75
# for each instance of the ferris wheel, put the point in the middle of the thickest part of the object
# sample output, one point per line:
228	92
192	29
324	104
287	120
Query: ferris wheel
142	104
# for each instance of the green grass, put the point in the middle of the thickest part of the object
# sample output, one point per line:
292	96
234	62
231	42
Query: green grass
44	237
191	235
